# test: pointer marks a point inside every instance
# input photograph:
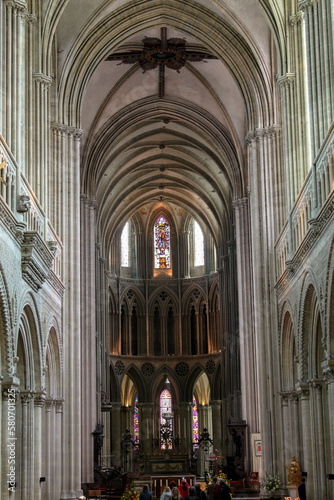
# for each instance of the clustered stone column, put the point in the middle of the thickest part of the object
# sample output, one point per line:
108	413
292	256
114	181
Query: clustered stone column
88	343
248	355
67	141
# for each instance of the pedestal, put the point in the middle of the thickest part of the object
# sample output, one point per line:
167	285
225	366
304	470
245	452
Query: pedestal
293	491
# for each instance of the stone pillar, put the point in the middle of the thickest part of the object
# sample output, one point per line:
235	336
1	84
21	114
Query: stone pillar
146	427
58	452
184	252
14	87
88	341
39	401
307	433
186	429
217	425
319	483
328	370
286	428
25	400
116	433
246	329
72	439
47	443
9	443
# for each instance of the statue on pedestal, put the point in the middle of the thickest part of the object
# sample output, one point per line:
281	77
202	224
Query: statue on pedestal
294	475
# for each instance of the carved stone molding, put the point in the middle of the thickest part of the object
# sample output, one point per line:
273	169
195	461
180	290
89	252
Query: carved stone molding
57	285
88	202
311	238
286	80
260	133
303	391
23	203
36	259
328	370
9	222
43	80
297	18
307	4
64	130
240	203
59	405
39	399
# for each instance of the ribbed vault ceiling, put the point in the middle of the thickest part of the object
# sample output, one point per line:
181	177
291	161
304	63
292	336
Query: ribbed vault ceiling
185	148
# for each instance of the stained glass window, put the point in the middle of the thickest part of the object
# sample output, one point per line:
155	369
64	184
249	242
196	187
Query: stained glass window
195	423
161	244
166	431
125	246
198	245
136	422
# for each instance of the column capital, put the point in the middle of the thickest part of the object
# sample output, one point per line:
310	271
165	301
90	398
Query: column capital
328	370
297	18
59	403
88	202
286	80
39	399
240	203
303	390
26	397
49	403
307	4
44	80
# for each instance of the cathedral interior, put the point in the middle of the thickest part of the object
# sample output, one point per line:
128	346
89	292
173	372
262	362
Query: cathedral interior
167	249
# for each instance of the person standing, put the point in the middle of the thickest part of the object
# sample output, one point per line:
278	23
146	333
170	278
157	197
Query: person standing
302	490
184	489
211	488
145	494
167	494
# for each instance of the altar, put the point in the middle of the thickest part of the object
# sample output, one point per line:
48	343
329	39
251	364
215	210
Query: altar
166	464
158	483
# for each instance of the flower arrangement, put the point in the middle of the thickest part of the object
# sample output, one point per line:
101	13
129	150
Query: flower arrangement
130	493
271	483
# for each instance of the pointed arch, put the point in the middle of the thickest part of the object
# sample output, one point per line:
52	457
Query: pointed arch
6	346
53	382
288	354
30	334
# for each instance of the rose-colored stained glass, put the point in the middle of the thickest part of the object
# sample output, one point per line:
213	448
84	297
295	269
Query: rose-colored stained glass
136	421
161	244
195	423
166	407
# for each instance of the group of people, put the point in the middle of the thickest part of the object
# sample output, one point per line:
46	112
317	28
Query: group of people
215	491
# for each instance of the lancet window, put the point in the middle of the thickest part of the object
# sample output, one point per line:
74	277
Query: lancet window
166	426
125	246
198	245
195	423
136	421
161	244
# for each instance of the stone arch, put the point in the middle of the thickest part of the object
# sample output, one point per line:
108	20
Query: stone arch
308	305
329	332
194	295
159	380
6	346
164	301
28	340
288	353
53	376
131	295
239	56
194	375
134	374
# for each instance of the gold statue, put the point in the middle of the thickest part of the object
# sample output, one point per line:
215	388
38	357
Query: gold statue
1	167
294	475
